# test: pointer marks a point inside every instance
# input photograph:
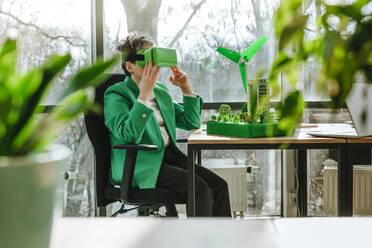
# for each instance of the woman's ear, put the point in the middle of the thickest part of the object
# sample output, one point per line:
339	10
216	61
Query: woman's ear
129	66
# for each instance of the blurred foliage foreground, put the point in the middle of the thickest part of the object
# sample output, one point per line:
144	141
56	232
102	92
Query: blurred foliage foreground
23	129
342	48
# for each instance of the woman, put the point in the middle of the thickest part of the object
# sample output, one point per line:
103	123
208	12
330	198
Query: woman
141	110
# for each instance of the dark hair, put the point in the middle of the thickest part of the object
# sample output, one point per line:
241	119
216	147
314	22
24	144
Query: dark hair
129	47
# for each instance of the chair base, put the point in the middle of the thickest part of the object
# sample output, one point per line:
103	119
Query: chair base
143	210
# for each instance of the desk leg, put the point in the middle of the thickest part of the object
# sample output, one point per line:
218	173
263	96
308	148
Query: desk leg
191	154
198	161
302	181
345	181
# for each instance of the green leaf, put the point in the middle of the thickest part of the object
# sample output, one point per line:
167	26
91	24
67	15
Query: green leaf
296	25
54	65
49	70
91	76
347	10
8	58
360	41
313	47
23	87
281	63
360	3
284	14
35	136
291	111
43	129
72	106
329	43
8	47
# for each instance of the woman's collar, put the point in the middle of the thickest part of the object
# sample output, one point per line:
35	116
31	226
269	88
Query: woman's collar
132	85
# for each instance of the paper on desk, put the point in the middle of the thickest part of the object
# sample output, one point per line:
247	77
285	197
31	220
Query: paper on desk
332	129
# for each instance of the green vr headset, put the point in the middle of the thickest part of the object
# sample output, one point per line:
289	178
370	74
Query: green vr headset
163	57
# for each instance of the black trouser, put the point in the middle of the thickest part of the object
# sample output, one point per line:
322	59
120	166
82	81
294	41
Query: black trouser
211	191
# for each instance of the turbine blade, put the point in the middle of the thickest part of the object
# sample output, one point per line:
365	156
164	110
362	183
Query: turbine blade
248	53
232	55
243	75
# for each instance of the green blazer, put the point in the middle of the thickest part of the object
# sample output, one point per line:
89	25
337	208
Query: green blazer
131	122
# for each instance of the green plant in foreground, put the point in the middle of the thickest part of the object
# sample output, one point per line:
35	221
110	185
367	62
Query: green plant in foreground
23	129
343	49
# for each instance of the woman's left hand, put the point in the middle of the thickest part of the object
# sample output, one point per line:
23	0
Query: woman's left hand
180	79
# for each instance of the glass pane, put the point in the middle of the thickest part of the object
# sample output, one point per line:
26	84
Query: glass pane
46	28
195	29
308	72
257	170
322	166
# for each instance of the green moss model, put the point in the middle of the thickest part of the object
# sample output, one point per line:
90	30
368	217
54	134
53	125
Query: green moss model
254	120
225	111
252	111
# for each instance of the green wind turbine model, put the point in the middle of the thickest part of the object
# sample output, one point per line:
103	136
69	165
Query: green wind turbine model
242	58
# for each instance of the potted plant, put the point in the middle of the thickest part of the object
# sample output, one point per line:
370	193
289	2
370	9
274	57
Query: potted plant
254	120
28	168
341	46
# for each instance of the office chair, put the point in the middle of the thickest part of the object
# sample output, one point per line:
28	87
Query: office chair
147	201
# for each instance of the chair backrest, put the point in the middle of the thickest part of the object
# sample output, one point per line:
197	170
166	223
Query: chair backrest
99	137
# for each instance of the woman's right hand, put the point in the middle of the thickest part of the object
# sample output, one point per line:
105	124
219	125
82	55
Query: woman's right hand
149	77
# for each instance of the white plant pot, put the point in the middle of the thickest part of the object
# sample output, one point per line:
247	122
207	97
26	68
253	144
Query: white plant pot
27	196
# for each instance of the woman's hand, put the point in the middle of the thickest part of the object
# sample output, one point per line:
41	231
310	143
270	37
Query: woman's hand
149	77
180	79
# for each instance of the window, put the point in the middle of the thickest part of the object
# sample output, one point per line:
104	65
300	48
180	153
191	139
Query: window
49	27
195	29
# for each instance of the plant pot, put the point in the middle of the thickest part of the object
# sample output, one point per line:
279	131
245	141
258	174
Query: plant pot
244	130
27	193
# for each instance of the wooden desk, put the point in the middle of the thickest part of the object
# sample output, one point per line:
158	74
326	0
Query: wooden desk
200	140
366	140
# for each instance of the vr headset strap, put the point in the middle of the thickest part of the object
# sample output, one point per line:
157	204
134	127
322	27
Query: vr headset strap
140	57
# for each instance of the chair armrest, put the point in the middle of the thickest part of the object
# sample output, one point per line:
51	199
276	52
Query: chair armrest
129	164
181	140
135	147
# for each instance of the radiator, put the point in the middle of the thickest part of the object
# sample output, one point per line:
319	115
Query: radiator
330	189
362	190
236	178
